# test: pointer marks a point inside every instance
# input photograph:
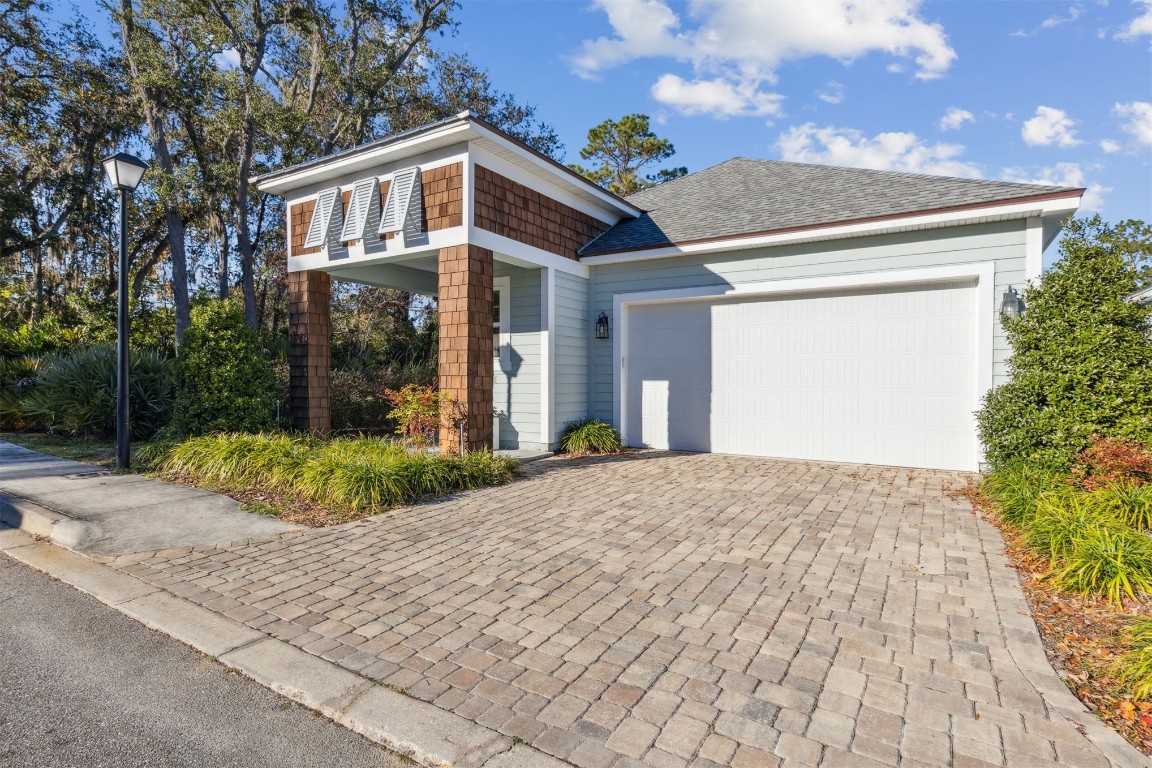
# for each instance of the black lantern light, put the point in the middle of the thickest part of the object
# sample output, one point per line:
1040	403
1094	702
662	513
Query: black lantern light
602	326
1011	305
124	173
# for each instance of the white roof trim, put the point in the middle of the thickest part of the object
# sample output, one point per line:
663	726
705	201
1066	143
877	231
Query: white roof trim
465	128
322	217
1060	208
358	205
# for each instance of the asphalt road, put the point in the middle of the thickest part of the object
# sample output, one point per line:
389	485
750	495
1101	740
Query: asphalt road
82	685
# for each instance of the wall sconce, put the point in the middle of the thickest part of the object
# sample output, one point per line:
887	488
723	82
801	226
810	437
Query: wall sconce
1011	305
602	326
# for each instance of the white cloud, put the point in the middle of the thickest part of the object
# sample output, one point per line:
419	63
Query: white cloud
229	58
1054	21
1139	26
718	97
832	92
1109	146
1063	175
1050	126
744	43
1139	120
893	151
956	117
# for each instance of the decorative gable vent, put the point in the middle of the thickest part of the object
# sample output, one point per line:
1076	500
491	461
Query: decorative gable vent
326	204
405	203
358	206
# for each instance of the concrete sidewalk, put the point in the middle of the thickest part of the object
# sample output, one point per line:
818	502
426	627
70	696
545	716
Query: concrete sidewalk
101	515
104	515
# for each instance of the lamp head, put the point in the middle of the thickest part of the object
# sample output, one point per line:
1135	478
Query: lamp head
124	170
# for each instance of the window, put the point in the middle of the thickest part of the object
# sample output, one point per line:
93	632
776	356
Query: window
501	320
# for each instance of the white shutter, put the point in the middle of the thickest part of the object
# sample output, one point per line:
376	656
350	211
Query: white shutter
401	192
358	206
322	218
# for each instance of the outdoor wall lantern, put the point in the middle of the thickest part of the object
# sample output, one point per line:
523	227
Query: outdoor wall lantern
124	174
602	326
1012	305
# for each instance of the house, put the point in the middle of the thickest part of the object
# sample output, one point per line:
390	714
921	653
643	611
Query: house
755	307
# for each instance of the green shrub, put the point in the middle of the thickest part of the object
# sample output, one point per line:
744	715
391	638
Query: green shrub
76	393
1016	489
1110	561
18	377
1081	362
358	400
1063	518
589	436
361	473
1134	667
226	384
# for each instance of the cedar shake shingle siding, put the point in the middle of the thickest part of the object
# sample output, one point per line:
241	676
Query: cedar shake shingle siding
515	211
300	216
465	306
443	190
309	350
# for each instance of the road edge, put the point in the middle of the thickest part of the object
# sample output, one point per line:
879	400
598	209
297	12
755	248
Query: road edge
416	729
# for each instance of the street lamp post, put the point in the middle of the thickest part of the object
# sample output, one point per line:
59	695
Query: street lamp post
124	173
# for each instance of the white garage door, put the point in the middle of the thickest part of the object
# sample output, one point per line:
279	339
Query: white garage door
882	375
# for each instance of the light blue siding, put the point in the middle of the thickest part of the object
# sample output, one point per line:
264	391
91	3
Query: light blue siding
572	332
1001	243
516	391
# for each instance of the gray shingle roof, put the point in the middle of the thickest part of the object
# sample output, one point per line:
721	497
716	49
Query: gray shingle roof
745	196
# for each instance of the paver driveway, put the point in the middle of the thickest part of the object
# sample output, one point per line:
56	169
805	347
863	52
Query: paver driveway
674	609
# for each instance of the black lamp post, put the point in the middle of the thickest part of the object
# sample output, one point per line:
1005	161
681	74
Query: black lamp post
124	173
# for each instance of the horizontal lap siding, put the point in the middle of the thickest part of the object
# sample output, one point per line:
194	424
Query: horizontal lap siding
573	331
1001	243
517	392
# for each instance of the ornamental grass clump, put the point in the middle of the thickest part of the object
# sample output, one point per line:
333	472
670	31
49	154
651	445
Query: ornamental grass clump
350	473
589	436
1134	666
1063	518
1017	490
1113	562
1129	503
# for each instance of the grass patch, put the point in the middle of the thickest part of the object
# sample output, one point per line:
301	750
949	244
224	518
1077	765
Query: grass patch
99	452
589	436
352	475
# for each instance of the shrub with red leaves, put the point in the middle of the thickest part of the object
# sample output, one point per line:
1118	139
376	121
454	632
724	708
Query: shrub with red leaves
1111	461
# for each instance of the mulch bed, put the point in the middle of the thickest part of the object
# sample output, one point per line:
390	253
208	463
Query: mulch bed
1082	636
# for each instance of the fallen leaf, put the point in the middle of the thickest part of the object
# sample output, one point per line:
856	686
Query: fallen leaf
1127	711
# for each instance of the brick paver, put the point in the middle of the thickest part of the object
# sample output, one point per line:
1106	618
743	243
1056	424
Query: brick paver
673	609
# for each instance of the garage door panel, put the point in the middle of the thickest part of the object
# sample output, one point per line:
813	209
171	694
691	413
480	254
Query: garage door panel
883	376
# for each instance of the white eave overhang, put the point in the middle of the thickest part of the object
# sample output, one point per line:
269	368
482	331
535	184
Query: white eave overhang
464	128
1050	210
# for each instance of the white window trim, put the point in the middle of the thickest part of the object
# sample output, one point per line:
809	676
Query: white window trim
984	273
502	350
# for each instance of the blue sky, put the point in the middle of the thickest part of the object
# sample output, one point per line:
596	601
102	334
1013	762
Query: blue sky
1055	92
1050	92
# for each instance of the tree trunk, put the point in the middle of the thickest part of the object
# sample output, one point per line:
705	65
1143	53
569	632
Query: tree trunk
163	158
